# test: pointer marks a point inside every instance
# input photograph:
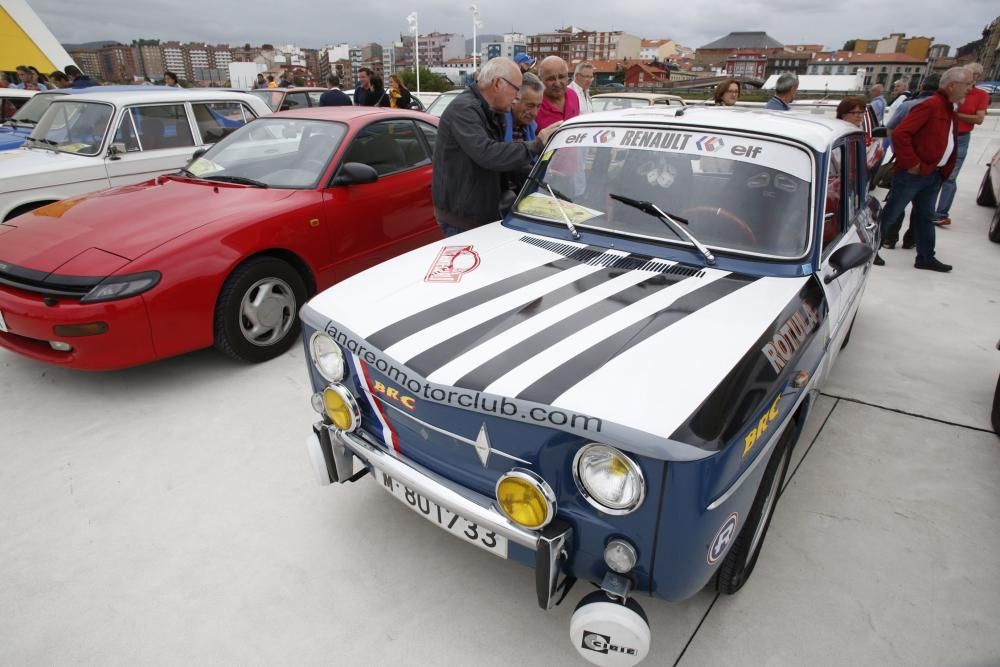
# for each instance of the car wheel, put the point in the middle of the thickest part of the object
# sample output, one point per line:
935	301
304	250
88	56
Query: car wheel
256	316
986	196
995	227
742	557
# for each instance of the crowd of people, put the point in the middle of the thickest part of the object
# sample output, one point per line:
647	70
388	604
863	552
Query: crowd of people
27	77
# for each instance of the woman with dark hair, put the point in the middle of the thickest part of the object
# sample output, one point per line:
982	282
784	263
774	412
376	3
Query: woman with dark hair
170	79
39	77
397	97
852	109
727	92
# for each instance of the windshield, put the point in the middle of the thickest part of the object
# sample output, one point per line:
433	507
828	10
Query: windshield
73	127
729	192
33	109
437	107
272	98
276	152
612	103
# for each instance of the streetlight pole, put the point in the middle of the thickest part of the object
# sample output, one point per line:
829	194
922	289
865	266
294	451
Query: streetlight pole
415	29
476	24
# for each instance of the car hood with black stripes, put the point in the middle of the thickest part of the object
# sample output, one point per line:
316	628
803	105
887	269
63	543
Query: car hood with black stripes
629	350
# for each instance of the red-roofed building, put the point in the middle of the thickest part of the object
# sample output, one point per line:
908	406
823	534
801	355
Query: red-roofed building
884	68
643	75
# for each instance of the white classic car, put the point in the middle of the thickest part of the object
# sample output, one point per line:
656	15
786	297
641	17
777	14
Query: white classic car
607	385
98	140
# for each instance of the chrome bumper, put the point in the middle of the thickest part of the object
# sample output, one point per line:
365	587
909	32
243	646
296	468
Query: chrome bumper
332	454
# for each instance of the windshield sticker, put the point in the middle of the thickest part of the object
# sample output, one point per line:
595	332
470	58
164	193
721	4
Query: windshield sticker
781	157
451	263
57	209
543	206
202	166
73	148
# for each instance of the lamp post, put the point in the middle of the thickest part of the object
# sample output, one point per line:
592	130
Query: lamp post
476	24
414	28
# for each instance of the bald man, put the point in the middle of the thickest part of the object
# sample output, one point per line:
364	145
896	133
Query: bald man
557	106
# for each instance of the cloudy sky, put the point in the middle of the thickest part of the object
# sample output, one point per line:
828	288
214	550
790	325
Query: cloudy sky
314	24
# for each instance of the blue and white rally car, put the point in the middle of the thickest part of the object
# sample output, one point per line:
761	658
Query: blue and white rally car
608	384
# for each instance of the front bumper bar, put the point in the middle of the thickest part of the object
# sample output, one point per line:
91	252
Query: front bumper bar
332	453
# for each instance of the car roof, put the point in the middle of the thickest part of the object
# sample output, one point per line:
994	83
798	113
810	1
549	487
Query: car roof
18	92
292	89
135	94
817	132
346	114
642	96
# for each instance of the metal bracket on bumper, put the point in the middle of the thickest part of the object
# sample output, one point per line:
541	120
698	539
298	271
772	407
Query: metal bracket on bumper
332	454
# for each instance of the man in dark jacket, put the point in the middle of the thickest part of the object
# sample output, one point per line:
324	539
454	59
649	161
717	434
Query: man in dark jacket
925	145
334	97
470	156
366	94
79	79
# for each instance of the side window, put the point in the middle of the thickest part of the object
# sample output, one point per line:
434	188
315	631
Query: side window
314	98
388	147
430	134
217	119
126	133
162	126
832	219
295	101
852	179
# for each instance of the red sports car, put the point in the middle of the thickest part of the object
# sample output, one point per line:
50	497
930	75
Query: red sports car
224	252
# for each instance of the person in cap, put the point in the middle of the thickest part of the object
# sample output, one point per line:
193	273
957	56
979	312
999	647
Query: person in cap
524	62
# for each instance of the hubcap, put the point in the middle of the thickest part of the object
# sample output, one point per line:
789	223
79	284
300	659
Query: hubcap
267	311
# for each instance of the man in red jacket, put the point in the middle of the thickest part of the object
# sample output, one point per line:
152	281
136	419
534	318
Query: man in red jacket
925	145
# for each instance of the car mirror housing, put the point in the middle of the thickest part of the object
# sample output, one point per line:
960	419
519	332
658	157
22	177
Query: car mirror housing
198	153
880	132
848	257
117	149
355	173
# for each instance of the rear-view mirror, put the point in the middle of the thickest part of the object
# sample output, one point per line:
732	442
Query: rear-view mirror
880	132
848	257
198	153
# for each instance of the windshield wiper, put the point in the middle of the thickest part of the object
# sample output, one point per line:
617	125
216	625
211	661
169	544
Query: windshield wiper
556	195
44	141
241	180
673	222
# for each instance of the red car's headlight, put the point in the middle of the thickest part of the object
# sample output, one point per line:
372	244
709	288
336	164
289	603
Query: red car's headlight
120	287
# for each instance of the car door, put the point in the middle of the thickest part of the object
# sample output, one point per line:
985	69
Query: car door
376	221
846	221
151	139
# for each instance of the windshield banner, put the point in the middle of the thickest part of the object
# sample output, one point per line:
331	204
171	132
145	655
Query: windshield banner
780	157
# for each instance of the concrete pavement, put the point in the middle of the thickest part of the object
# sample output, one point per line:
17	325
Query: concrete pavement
167	514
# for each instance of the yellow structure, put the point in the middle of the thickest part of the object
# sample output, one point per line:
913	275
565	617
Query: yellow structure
25	40
897	42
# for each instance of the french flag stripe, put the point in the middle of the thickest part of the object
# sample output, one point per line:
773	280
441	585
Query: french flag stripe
388	433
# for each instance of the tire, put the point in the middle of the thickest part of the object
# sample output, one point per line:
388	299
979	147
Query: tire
986	196
742	557
256	332
850	329
995	227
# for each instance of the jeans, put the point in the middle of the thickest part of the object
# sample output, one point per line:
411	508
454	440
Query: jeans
449	230
949	186
923	192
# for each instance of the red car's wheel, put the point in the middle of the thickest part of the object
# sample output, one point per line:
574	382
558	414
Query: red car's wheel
256	316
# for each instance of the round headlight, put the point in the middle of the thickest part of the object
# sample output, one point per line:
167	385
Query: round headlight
327	357
526	499
609	480
341	407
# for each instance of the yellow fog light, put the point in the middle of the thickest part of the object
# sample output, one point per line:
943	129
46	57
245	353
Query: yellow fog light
341	407
526	499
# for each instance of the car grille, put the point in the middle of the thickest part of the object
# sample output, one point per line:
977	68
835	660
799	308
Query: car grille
39	282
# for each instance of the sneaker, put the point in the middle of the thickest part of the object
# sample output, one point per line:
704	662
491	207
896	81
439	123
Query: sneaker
942	222
932	264
878	261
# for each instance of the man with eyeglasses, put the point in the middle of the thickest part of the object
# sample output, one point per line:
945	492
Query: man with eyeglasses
471	160
557	106
583	77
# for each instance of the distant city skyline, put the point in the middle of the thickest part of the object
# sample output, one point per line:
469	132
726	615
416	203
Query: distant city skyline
694	24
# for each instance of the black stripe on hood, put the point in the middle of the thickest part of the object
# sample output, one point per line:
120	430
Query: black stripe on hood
555	383
754	379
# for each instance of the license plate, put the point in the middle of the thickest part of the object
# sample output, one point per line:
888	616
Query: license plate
443	517
3	323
